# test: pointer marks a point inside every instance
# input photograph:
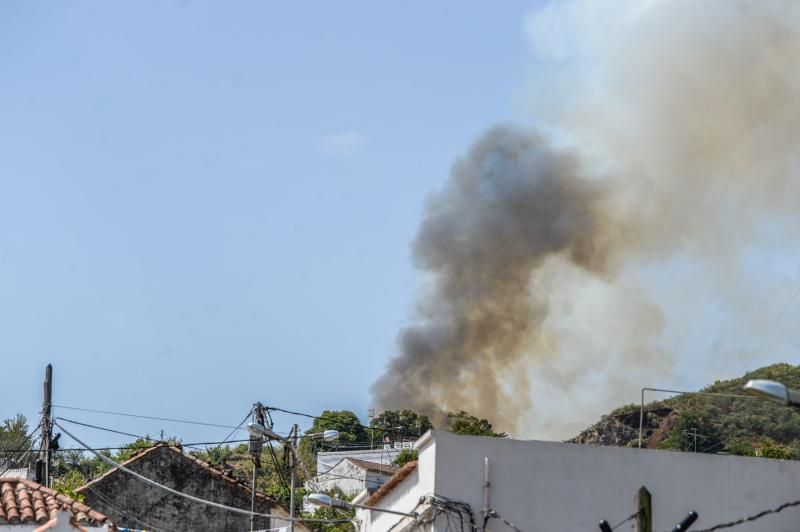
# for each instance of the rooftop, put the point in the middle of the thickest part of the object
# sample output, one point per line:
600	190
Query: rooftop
26	502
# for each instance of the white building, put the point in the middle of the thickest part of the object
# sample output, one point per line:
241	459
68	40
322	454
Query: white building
351	476
547	486
386	454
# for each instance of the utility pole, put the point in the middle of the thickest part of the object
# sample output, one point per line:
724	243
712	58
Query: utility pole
371	413
44	448
293	439
644	519
256	443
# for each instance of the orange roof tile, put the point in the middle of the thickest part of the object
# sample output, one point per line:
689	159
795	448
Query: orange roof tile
26	502
392	483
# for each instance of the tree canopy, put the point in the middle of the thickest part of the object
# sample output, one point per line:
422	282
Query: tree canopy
401	423
462	422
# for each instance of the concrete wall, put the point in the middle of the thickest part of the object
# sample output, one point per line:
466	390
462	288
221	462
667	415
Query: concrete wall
129	502
345	477
406	495
568	487
559	486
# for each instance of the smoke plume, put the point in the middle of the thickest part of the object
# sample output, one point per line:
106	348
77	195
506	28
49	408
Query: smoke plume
628	247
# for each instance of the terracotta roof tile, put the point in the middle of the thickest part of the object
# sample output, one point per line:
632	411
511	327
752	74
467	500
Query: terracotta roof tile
392	483
25	501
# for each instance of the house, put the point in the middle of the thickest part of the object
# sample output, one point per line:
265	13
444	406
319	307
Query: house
350	476
463	481
385	454
132	503
26	505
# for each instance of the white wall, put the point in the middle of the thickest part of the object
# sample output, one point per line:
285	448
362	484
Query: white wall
405	496
325	461
344	476
548	486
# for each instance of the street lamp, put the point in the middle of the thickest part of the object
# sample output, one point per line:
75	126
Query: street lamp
259	430
772	391
328	435
321	499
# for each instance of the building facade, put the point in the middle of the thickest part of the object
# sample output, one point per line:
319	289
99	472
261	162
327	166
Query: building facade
569	487
132	503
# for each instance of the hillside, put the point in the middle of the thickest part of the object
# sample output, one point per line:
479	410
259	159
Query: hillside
689	422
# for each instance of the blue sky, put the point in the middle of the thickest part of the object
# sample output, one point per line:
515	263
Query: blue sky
205	204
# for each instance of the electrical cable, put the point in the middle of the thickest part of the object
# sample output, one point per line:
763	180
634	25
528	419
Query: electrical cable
138	437
751	518
128	447
107	502
146	480
336	421
772	329
494	515
140	416
629	518
16	459
235	429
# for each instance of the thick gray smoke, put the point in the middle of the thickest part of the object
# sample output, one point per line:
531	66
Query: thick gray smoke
509	205
558	282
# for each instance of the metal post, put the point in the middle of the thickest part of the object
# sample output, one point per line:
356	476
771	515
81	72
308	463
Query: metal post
293	465
641	419
46	422
486	485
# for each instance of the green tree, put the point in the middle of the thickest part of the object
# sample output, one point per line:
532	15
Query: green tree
331	514
351	432
13	438
693	431
463	423
14	433
400	423
69	483
770	449
405	456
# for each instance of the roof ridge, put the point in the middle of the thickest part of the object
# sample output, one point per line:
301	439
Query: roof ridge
390	484
198	461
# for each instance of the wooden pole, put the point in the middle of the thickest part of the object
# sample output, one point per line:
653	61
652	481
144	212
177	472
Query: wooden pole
46	421
644	521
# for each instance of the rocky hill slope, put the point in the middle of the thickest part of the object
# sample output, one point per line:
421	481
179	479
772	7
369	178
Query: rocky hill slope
691	422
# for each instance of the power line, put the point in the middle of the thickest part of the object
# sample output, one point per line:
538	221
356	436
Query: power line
146	480
236	428
772	329
339	422
129	447
137	436
751	518
140	416
107	502
16	459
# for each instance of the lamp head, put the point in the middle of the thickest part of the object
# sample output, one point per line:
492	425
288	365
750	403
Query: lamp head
330	435
770	390
321	499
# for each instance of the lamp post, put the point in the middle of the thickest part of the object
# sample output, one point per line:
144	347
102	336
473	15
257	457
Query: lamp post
259	431
331	502
772	391
328	435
